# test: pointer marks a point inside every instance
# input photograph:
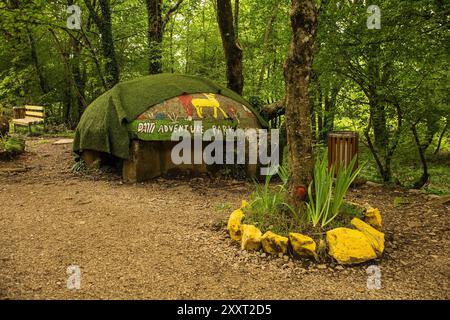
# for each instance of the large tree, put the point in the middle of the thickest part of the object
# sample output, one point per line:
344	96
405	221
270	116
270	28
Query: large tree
103	22
297	73
231	46
157	23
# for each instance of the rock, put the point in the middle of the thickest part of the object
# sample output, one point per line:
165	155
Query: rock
302	246
444	199
251	237
431	197
376	238
286	258
321	266
63	141
234	224
273	243
349	246
373	217
339	267
373	184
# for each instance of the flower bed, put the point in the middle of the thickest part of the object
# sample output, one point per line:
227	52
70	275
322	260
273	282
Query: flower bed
362	242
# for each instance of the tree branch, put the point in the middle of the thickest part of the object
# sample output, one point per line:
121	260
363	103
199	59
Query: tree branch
171	12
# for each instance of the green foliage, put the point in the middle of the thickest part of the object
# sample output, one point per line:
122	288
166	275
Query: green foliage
403	65
268	208
325	201
222	207
80	167
319	204
399	201
13	145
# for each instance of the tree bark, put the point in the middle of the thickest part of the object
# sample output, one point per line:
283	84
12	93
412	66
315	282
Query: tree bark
236	18
155	32
37	66
297	73
441	136
104	25
154	35
231	47
422	149
330	110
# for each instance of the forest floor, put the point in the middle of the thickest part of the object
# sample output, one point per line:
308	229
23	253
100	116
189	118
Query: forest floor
165	240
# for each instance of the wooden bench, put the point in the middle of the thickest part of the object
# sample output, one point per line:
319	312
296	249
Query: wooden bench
32	115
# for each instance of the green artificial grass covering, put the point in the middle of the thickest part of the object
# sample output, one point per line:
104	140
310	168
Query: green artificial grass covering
102	126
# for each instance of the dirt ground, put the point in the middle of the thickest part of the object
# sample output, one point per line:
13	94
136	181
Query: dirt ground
164	240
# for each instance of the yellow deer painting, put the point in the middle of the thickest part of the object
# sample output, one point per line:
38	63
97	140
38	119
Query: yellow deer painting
209	102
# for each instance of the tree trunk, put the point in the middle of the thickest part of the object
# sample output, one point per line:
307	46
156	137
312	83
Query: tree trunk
231	47
441	137
330	110
297	72
111	66
422	149
236	18
155	33
34	57
78	79
104	25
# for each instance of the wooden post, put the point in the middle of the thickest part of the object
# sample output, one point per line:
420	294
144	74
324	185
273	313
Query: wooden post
342	148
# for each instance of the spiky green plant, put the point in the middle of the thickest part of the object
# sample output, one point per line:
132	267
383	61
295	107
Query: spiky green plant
326	201
320	200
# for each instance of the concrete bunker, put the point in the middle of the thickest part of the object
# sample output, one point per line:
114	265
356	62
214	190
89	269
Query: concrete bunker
132	124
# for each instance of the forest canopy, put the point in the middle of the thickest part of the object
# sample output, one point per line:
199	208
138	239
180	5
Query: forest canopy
389	82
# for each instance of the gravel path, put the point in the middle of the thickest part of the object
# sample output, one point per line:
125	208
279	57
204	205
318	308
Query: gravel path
165	240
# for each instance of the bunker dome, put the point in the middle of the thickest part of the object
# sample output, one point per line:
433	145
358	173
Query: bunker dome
134	122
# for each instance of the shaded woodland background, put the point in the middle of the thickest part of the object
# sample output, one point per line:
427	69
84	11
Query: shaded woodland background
389	84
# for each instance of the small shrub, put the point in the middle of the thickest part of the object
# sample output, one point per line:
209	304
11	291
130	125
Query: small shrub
13	144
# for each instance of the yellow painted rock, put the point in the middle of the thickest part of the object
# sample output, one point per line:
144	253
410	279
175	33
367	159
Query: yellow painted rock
251	237
349	246
373	217
302	245
234	224
273	243
376	238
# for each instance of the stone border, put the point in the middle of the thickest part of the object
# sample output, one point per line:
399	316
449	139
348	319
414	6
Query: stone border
347	246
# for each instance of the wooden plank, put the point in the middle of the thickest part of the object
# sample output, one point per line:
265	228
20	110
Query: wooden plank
330	151
338	153
355	152
35	108
34	114
26	121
